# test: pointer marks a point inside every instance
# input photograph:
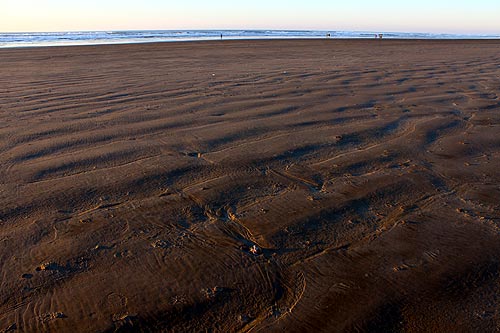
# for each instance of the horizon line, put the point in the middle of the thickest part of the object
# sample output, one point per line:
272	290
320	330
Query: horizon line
264	29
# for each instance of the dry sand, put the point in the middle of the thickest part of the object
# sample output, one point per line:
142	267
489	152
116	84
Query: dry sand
320	186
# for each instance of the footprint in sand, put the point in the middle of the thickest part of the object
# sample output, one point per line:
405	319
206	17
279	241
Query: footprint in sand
117	305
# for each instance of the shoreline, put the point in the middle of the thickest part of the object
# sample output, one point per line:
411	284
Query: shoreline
326	40
253	40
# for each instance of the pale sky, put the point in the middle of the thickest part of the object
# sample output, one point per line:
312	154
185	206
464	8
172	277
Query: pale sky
446	16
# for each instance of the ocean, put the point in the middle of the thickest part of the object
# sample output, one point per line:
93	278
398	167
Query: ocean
29	39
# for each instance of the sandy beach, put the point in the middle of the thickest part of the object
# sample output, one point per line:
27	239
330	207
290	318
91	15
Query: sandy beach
251	186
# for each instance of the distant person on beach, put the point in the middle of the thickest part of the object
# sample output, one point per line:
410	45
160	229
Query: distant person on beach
220	36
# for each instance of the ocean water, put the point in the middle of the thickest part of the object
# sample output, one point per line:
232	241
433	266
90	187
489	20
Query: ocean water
29	39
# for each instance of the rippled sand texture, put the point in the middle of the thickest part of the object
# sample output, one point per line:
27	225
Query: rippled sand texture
135	181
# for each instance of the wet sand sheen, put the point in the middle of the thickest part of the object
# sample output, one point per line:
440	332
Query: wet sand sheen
251	186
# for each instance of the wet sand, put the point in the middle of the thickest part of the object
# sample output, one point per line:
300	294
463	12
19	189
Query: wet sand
263	186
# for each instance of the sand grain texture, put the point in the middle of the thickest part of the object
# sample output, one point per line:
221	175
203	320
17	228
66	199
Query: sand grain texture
321	186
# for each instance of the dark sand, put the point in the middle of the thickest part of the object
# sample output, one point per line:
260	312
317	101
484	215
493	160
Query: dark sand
135	179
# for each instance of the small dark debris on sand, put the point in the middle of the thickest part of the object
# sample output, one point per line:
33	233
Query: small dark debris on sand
49	266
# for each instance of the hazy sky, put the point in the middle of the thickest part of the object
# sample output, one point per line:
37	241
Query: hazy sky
455	16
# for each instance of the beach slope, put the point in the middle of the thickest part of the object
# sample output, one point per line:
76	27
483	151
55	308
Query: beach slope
264	186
